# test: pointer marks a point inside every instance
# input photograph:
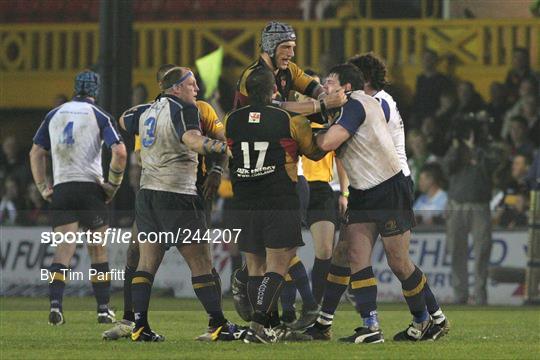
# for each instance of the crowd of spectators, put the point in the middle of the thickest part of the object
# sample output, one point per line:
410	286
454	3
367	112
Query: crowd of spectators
449	127
482	149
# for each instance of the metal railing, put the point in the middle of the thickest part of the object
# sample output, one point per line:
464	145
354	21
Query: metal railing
44	50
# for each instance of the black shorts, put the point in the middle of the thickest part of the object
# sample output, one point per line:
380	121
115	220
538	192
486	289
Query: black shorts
178	219
272	223
388	205
82	202
322	203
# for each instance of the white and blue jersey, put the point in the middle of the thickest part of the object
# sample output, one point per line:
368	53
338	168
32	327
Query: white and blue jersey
395	125
74	133
369	155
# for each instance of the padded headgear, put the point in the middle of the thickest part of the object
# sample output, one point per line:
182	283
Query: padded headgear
273	34
87	84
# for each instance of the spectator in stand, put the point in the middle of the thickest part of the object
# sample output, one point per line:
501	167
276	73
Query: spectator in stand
496	108
519	137
469	101
528	97
13	161
447	108
430	84
533	177
512	207
469	168
520	70
430	205
435	136
419	155
35	209
530	110
9	204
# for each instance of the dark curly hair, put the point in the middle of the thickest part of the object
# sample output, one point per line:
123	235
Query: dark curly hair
373	69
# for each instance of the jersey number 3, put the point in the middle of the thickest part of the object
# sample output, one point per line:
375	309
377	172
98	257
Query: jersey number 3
150	135
261	147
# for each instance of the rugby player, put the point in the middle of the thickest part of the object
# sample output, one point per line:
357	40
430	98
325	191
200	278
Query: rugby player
374	73
277	45
212	127
278	41
321	218
380	203
72	134
168	200
265	142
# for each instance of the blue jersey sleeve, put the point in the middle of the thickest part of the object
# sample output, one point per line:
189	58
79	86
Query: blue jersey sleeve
385	108
42	137
132	116
108	130
352	116
186	119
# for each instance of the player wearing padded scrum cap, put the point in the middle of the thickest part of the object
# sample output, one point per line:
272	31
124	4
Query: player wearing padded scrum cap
72	136
278	41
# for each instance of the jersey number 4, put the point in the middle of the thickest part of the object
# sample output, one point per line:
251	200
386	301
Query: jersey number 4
261	147
67	134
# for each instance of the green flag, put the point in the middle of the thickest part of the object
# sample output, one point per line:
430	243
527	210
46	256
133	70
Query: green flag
209	67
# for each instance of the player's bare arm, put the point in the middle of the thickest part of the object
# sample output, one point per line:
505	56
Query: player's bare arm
211	184
116	170
344	187
202	144
333	138
330	101
38	163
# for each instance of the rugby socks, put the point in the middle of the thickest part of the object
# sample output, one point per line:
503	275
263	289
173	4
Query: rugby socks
253	288
336	283
288	298
57	285
431	302
236	262
433	306
141	287
207	291
101	283
298	273
318	277
128	304
266	297
243	275
217	280
273	316
413	290
364	291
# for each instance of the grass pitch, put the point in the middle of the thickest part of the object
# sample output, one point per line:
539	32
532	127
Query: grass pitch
476	333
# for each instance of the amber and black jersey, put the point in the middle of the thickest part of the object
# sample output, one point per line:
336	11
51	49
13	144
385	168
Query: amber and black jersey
265	142
292	78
